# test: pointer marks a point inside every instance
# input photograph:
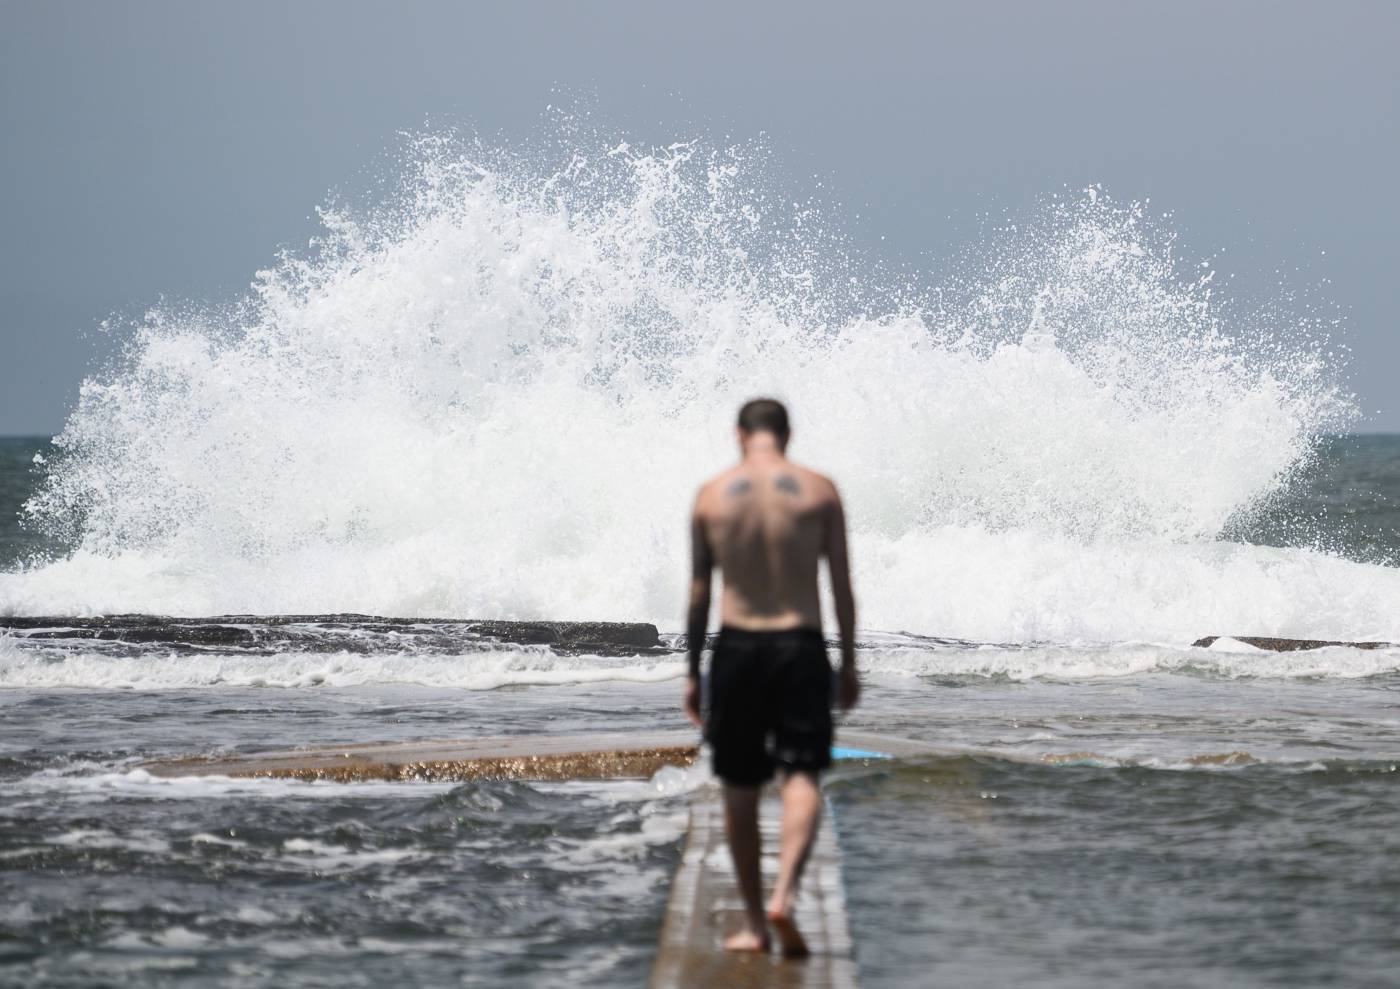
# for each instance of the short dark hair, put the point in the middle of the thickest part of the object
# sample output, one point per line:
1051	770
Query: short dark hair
765	415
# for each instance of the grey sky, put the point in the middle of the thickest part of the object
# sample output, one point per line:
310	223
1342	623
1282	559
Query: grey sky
170	148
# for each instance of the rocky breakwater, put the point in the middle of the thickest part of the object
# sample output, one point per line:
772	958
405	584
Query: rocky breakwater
268	634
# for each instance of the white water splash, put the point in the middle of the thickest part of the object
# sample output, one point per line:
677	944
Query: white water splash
494	395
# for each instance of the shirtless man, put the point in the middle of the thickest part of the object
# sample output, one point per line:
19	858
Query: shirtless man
766	523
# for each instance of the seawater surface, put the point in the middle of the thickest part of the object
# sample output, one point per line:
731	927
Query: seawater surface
1179	824
491	395
115	877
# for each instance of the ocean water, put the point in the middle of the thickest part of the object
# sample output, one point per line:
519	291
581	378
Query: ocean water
1067	455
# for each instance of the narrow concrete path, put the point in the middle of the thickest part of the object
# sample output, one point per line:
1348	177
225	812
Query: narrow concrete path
705	907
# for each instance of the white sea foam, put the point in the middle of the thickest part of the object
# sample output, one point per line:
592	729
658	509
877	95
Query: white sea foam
493	396
1128	660
310	854
41	669
141	841
23	667
98	784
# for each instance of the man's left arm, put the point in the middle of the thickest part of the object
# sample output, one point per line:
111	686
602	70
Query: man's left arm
702	565
839	562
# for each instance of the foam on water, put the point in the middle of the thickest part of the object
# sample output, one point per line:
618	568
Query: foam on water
493	395
97	783
1130	659
31	665
157	669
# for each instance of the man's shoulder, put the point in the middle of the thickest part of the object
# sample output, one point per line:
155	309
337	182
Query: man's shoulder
824	486
709	489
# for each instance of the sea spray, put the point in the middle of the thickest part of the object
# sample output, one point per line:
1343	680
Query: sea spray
493	393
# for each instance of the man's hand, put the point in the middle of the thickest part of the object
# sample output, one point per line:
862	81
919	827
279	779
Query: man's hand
691	704
850	687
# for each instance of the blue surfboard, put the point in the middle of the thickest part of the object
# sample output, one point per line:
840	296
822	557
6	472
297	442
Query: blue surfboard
837	752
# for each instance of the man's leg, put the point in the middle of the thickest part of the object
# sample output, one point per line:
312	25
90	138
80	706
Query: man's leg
741	826
802	812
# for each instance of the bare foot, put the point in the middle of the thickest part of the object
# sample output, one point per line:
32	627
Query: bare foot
747	940
794	945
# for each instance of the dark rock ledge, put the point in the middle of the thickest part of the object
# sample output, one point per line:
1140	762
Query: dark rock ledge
338	631
1290	645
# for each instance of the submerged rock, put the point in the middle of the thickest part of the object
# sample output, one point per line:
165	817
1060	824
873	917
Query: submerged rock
1289	645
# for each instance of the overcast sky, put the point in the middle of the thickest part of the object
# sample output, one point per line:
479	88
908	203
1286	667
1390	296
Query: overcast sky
151	149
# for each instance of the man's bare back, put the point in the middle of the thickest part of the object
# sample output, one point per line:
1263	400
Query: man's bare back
767	522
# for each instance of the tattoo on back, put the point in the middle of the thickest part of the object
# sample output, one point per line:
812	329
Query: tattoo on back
788	484
739	487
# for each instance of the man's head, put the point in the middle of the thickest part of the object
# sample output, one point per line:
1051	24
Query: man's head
764	415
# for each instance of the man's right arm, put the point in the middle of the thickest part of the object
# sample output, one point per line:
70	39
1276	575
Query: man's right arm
838	560
702	565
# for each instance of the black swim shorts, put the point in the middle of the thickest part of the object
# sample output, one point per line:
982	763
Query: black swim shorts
770	704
